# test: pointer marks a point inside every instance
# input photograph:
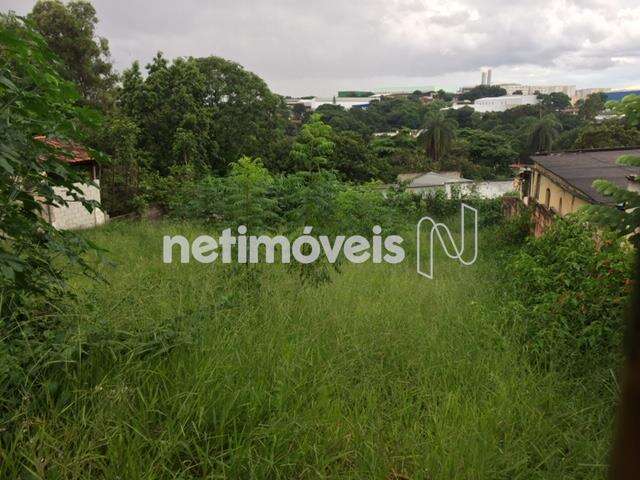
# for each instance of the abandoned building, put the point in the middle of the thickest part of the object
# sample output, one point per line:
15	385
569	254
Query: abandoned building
561	183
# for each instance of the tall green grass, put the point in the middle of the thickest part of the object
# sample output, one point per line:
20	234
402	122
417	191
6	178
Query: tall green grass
201	371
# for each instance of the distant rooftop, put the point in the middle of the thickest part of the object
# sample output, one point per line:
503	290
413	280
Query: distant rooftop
409	89
71	152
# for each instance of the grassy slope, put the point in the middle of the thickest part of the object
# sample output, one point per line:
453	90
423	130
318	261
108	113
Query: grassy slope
378	374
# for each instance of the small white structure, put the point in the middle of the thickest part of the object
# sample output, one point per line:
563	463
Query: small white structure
500	104
74	215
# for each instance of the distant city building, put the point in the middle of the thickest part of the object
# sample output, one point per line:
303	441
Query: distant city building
620	94
485	78
511	88
583	93
500	104
406	90
346	102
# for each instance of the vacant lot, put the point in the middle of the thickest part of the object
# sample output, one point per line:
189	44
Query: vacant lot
194	371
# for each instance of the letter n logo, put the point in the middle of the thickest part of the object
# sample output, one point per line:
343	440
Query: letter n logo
440	231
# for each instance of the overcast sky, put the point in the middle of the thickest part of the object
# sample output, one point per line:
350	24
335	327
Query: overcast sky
319	46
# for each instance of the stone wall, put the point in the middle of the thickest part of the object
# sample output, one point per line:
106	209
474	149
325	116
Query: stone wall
75	216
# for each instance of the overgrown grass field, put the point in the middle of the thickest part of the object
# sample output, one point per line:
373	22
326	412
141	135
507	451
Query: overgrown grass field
201	371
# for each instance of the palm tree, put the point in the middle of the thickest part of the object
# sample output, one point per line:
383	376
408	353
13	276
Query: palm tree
437	135
544	132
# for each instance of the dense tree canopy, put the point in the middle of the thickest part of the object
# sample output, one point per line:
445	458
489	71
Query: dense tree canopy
592	105
543	133
489	149
608	134
206	111
554	101
482	91
439	132
70	33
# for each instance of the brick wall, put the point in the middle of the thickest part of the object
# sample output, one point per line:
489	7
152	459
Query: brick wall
541	217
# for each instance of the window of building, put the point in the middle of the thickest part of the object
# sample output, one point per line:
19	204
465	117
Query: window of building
547	198
560	206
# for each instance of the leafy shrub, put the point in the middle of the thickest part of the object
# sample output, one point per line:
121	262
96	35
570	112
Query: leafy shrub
515	230
307	198
438	205
441	207
247	195
573	284
35	101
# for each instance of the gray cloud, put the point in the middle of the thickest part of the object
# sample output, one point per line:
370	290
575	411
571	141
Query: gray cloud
319	46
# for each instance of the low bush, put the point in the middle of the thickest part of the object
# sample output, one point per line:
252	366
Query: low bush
572	284
515	230
250	195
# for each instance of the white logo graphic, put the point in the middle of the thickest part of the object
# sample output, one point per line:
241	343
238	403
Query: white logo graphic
246	248
443	233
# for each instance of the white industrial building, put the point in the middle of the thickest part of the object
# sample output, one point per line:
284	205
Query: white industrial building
500	104
346	102
511	88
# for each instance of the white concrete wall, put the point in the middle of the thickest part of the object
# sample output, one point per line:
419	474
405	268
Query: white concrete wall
500	104
75	216
493	189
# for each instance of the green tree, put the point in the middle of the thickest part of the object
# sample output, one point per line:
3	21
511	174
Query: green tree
342	120
607	134
444	96
353	159
624	220
248	119
34	101
482	91
393	113
169	107
439	132
119	178
492	150
247	195
208	111
465	117
592	106
313	147
555	101
629	107
544	132
70	32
